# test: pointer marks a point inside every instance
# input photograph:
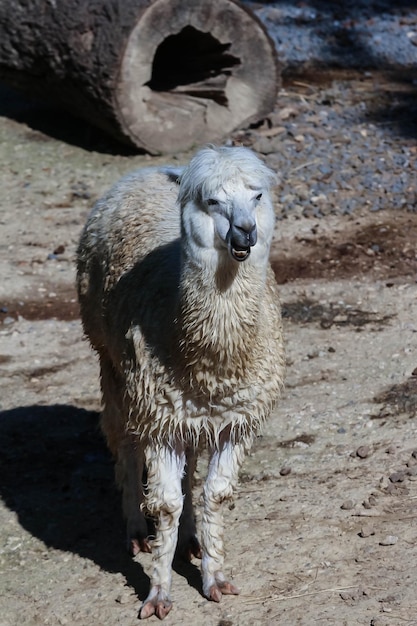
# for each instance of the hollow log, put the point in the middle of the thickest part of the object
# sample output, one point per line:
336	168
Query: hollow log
163	75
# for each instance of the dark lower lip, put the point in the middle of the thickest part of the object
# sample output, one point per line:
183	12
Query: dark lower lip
239	255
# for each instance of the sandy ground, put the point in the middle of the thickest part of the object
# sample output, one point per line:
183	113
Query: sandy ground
323	530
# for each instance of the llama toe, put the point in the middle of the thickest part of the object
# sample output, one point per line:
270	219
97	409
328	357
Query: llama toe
157	603
222	588
138	544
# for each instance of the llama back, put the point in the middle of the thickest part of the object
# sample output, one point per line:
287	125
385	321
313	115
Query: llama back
123	228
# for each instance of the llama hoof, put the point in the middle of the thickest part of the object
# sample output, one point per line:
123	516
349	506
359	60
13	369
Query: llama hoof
222	588
135	545
157	603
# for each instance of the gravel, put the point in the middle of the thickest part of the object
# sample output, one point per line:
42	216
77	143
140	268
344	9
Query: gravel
358	34
342	140
345	147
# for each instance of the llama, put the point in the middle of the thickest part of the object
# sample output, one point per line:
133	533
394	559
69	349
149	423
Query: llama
178	298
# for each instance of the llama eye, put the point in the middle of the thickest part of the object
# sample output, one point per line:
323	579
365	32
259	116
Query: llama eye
258	197
211	202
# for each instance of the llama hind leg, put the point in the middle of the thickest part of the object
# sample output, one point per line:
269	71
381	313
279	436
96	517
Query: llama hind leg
222	477
164	500
129	470
188	544
127	452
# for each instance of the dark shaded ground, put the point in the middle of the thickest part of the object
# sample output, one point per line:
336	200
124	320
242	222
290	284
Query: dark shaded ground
62	488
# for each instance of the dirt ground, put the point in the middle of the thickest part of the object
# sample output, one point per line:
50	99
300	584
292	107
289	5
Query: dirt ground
324	526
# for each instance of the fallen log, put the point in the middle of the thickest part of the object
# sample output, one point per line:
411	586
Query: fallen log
162	75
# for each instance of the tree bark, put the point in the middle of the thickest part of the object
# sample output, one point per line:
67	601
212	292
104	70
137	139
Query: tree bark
163	75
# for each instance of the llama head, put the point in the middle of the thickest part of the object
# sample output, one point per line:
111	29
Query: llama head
225	203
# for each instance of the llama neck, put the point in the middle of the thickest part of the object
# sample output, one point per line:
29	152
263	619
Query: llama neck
218	319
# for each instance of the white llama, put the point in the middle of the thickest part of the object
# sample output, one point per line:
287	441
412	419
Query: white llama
179	300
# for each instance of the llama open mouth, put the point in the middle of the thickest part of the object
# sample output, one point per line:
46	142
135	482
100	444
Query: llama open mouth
239	254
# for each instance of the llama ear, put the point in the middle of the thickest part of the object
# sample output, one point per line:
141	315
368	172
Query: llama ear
174	173
272	178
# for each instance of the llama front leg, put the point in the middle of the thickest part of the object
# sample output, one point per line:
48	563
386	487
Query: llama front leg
164	500
221	480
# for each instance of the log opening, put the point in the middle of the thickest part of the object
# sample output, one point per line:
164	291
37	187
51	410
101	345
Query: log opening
195	63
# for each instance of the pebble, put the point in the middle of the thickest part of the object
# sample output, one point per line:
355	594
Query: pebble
366	531
347	505
397	477
390	540
284	471
363	452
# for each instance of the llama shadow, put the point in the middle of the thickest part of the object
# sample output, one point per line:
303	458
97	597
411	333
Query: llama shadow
58	477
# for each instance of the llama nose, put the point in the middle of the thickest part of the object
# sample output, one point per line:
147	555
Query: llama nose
244	234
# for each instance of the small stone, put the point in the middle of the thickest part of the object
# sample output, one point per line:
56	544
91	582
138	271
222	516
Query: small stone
390	540
414	454
347	505
366	531
390	450
284	471
397	477
363	452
